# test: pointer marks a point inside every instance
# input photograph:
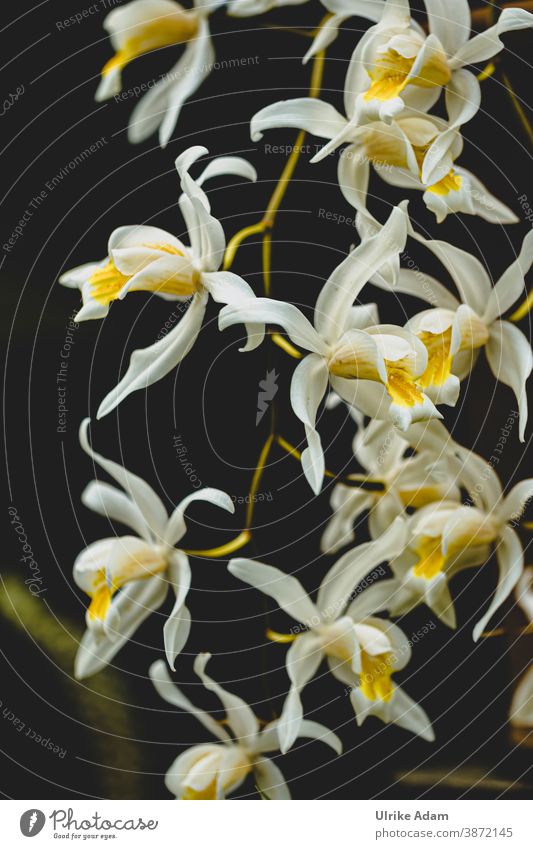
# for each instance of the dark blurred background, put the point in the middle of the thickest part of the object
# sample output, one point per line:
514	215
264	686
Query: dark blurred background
115	737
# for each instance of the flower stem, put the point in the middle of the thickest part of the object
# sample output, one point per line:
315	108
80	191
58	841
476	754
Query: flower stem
256	480
354	479
515	100
267	222
222	550
286	346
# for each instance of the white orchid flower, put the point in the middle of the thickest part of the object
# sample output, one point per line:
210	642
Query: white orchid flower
143	26
214	770
396	65
148	259
128	577
345	351
521	710
362	651
454	331
445	537
412	152
406	481
415	152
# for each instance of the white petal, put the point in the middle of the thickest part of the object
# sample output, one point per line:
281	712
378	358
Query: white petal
177	627
114	504
133	605
303	659
469	275
515	502
148	365
176	632
161	106
178	773
345	283
510	564
148	502
172	694
269	311
228	288
406	713
488	43
342	579
378	597
308	387
463	99
341	10
485	204
306	113
348	503
269	780
76	277
353	176
511	284
176	526
511	361
240	717
420	285
223	166
450	22
286	590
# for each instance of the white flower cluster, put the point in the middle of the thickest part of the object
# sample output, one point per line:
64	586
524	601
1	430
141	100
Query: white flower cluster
438	508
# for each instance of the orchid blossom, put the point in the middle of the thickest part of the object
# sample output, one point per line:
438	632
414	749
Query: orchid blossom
143	258
143	26
412	152
407	481
446	537
128	577
362	650
454	331
396	65
214	770
345	350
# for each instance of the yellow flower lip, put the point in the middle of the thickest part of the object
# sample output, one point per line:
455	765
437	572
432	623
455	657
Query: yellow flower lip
375	677
177	28
107	282
391	74
140	563
431	559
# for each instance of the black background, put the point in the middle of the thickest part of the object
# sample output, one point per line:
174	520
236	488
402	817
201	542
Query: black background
118	735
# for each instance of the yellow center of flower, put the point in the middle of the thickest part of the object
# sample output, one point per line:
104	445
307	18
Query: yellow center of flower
390	75
439	364
133	569
100	598
177	28
431	559
401	386
474	334
107	282
375	677
451	182
209	792
417	498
